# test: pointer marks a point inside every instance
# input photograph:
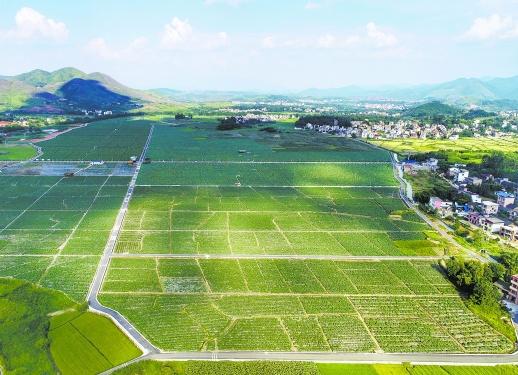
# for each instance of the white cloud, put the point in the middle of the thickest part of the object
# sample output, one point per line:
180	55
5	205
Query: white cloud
492	27
30	24
268	42
176	32
380	38
371	37
310	5
180	34
98	47
327	41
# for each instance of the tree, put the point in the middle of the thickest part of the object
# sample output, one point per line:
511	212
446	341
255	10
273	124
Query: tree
485	293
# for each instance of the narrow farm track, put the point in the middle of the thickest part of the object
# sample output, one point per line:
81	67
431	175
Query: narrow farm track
374	258
96	285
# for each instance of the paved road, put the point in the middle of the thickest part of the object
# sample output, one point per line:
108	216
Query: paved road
279	256
423	358
427	220
95	287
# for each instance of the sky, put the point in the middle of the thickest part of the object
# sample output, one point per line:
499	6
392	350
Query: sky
267	45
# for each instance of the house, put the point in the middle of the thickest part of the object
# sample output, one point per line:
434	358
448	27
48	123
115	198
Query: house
474	198
489	208
491	224
513	290
509	232
474	218
475	181
513	214
443	208
504	198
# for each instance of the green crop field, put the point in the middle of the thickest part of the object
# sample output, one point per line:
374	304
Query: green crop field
296	305
249	215
257	220
304	368
88	342
104	140
259	174
53	230
16	152
44	332
200	140
239	240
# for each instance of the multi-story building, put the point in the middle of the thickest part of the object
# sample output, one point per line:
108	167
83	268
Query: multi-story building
513	290
509	232
504	198
489	208
491	224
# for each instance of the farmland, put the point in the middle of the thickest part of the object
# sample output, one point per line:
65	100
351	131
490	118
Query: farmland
463	150
254	255
53	229
200	140
16	152
45	332
104	140
305	368
257	244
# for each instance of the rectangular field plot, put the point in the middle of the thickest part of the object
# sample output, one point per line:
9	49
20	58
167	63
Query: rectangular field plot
201	141
272	221
272	276
116	139
258	174
58	228
288	305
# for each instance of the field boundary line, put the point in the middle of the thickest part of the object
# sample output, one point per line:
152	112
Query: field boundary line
367	258
32	204
273	186
71	234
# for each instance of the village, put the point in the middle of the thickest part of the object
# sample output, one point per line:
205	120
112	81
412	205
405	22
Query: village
413	129
495	216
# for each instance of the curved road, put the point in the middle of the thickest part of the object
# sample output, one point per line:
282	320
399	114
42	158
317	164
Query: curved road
95	287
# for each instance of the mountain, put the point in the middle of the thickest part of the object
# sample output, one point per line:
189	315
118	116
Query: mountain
462	90
42	78
88	93
67	90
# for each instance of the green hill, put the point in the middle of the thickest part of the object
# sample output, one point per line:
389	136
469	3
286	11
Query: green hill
42	78
434	108
65	90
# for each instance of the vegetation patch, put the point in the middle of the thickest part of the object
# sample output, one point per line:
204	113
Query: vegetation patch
44	332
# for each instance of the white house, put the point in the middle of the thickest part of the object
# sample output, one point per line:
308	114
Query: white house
489	208
491	224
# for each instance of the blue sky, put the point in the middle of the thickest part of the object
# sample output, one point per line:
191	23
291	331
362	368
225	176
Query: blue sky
263	44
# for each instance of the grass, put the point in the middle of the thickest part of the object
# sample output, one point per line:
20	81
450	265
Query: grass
16	152
463	150
304	368
44	332
88	342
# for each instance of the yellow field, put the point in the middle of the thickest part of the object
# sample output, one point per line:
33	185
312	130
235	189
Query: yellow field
467	150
